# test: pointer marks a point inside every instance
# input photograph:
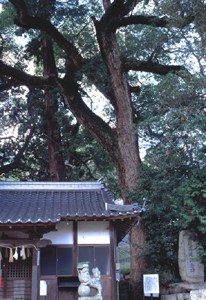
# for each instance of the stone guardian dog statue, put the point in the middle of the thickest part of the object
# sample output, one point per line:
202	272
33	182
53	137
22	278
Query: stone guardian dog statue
88	281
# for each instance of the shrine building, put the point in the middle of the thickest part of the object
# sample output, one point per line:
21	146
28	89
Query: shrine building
46	228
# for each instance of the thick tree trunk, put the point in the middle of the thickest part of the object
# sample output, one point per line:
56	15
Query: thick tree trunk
128	163
56	163
138	263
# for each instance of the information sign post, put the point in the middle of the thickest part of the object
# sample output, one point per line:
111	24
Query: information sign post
151	285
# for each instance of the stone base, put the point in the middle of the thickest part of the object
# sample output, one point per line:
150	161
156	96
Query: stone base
90	298
185	287
198	295
184	296
194	295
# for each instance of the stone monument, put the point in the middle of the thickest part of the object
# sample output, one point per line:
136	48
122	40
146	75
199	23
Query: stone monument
88	281
190	270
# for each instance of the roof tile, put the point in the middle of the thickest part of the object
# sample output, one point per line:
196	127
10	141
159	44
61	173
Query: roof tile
32	202
43	202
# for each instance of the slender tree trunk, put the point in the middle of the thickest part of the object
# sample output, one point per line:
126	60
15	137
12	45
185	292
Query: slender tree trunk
56	163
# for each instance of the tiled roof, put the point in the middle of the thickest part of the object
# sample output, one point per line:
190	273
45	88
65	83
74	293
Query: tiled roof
42	202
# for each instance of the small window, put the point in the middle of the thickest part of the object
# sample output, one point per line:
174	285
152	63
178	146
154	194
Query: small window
64	261
87	254
56	261
97	257
102	259
48	261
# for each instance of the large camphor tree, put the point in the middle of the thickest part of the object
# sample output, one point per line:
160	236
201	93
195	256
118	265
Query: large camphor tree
111	47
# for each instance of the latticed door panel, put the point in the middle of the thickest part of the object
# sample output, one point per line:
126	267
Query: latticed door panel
16	276
20	268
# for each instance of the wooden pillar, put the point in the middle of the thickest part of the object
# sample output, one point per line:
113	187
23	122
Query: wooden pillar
35	275
5	279
75	249
112	261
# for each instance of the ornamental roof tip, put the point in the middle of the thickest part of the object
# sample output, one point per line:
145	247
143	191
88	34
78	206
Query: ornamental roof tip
125	209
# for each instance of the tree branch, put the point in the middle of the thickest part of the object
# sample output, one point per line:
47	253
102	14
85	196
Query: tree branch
151	20
130	5
95	124
7	137
26	21
118	9
9	84
134	89
1	44
16	163
143	20
106	4
24	78
73	101
146	66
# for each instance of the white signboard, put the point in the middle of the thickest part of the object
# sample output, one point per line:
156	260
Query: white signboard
43	288
151	285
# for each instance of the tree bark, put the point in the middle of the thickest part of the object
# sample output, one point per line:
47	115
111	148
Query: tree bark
138	264
129	160
127	142
56	162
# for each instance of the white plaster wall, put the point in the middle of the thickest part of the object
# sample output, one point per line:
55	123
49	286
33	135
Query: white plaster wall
63	235
92	232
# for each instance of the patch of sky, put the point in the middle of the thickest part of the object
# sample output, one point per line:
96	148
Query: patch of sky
22	40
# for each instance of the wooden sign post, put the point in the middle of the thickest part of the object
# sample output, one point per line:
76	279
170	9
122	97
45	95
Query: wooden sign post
151	285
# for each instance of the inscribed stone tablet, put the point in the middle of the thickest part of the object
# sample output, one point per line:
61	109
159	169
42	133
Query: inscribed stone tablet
190	271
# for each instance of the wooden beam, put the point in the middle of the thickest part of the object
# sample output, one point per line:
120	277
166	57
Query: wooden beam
35	276
75	249
12	243
112	261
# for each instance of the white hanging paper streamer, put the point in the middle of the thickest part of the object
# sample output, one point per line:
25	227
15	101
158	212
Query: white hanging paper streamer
16	254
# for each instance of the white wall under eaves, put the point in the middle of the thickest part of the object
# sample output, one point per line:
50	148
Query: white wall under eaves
88	233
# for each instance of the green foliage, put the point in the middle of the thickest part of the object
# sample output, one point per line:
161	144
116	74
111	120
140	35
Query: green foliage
158	186
124	269
171	120
84	158
172	179
193	191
